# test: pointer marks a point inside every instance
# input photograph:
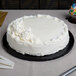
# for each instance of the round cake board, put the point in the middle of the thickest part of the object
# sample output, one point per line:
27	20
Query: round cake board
56	55
72	20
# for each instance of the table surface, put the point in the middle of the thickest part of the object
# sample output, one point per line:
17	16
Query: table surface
31	68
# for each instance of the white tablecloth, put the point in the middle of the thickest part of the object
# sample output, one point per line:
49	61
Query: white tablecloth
47	68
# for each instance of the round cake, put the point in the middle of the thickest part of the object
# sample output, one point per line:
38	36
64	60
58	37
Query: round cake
37	35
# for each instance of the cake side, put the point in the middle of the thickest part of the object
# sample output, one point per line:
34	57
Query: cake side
37	35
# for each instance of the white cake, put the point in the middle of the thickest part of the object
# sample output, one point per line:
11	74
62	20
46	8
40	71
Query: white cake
37	35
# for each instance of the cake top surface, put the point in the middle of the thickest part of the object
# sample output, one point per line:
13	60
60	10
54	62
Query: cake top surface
39	29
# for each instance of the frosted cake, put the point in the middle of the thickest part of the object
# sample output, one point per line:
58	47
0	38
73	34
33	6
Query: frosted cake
37	35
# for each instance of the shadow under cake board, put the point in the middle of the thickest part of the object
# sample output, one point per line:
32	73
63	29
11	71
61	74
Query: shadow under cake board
56	55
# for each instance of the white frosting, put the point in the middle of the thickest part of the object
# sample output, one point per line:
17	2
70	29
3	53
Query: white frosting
37	35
